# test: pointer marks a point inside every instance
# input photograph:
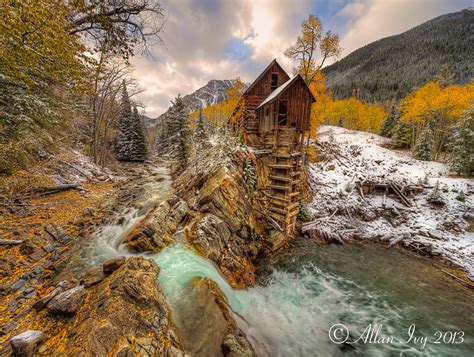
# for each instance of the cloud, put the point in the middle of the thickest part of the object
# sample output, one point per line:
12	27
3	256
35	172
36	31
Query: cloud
212	39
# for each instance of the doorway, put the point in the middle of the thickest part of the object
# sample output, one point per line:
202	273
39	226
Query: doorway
282	113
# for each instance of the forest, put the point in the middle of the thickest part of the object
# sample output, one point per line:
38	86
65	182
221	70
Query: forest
390	68
65	67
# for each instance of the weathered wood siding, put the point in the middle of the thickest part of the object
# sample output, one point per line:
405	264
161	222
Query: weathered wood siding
299	105
299	101
256	94
262	87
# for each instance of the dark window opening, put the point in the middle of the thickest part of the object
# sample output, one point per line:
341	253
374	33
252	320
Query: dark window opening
267	111
274	82
282	113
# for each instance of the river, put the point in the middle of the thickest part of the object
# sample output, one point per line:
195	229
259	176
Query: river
390	301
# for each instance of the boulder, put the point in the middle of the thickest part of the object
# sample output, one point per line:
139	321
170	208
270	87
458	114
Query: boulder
60	287
206	322
67	302
92	277
156	229
26	344
110	265
126	315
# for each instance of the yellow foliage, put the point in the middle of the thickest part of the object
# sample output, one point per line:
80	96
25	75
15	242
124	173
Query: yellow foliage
323	97
432	102
351	114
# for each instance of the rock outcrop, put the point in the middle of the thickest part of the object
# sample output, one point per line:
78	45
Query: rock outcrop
111	265
156	230
26	344
67	302
215	333
125	314
222	223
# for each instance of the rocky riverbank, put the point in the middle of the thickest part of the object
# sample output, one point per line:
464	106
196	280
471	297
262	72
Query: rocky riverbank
55	303
44	294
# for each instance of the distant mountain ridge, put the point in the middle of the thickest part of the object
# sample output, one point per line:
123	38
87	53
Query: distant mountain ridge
391	67
213	92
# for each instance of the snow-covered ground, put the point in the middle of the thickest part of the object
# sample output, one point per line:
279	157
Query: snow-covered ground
349	157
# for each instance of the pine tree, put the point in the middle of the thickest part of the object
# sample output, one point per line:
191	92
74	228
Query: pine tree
131	142
423	148
140	144
461	159
180	133
444	77
124	146
388	125
200	133
436	197
401	134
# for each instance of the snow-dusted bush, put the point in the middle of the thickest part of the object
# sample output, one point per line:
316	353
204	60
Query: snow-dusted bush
436	197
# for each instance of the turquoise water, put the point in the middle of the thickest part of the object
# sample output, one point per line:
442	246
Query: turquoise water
309	288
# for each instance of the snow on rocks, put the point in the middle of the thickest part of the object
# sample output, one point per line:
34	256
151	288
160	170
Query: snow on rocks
349	158
26	343
73	166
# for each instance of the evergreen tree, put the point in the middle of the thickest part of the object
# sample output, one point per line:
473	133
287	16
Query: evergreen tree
444	77
131	143
461	159
200	133
124	145
180	133
140	151
401	134
423	148
390	122
436	197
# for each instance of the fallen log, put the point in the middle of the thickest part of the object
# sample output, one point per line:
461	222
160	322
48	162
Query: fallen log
10	241
456	277
42	192
402	197
359	189
397	240
271	221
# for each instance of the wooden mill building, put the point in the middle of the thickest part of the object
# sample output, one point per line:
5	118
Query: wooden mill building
273	116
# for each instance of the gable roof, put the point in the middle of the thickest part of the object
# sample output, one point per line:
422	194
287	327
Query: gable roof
263	73
282	88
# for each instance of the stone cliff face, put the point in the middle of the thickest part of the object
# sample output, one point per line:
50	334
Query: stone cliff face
222	223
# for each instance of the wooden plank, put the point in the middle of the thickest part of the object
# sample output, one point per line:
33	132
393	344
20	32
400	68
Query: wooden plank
294	194
280	178
281	199
402	197
278	210
281	188
280	166
277	217
293	206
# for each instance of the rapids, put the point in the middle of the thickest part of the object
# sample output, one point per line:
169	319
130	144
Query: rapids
304	290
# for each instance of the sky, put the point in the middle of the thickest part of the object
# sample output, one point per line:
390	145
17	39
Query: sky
226	39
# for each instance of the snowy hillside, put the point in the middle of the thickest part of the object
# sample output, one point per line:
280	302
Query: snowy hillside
355	162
